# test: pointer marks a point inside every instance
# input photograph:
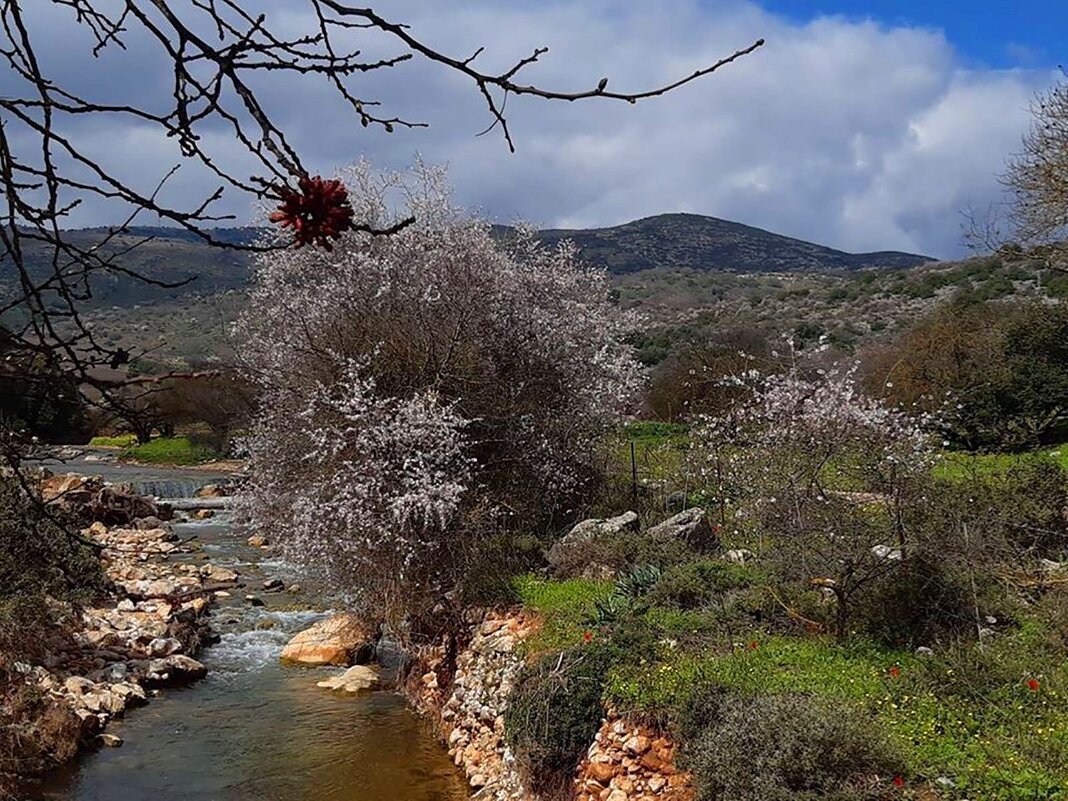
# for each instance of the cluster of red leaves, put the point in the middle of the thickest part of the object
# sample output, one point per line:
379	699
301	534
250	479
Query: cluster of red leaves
318	212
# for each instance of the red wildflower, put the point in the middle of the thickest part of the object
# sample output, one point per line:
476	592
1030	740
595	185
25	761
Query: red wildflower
895	671
587	636
753	645
1033	685
317	213
899	782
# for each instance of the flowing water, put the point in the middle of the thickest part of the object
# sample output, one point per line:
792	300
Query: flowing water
254	729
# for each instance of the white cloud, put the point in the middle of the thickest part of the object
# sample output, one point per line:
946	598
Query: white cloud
839	131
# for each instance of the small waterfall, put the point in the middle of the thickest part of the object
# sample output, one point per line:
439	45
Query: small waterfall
167	488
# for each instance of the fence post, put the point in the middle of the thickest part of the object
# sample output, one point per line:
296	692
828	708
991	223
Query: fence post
633	474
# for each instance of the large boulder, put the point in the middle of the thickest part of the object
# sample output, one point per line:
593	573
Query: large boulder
691	526
584	551
343	639
54	488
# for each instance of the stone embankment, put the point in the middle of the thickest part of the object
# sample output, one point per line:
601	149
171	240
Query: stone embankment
626	761
631	762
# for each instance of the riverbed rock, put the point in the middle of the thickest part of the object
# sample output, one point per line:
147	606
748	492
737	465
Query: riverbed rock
110	740
174	671
219	575
357	678
342	639
257	541
204	514
212	491
691	526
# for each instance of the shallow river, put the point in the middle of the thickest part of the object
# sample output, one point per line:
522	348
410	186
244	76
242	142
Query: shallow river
254	729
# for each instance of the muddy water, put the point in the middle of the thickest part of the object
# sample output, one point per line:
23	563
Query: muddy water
254	729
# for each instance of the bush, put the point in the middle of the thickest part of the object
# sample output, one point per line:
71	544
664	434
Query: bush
423	388
1002	365
782	748
554	711
619	552
38	732
696	584
492	565
44	569
919	605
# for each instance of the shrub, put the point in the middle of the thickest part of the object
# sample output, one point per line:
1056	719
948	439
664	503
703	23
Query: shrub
554	711
492	565
693	380
920	605
38	732
696	584
423	388
783	748
44	570
1001	365
619	552
790	464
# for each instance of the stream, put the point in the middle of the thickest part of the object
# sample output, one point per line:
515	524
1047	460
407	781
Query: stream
254	729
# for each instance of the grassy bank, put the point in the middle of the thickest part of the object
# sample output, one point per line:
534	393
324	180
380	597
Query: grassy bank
972	721
181	450
951	682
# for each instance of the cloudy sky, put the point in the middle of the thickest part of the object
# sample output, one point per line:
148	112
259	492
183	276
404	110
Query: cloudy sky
861	125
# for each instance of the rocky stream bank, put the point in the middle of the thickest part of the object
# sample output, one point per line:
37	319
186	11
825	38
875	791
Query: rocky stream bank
148	638
627	761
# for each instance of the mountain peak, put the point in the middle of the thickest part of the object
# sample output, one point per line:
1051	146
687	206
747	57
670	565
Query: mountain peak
683	240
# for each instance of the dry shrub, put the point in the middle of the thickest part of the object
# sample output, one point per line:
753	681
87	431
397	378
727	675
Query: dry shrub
783	748
554	711
37	732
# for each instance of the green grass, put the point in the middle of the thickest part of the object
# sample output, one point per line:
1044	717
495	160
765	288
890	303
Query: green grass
564	606
121	441
1008	744
653	431
982	727
171	450
955	466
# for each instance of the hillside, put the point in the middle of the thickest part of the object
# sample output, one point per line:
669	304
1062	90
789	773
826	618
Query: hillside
671	241
696	242
689	275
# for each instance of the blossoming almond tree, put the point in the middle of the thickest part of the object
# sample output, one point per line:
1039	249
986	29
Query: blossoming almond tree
822	474
422	390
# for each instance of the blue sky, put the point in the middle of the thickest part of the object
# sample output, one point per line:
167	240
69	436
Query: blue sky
997	33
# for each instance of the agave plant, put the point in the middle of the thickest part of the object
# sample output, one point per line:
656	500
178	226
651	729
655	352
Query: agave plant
625	598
